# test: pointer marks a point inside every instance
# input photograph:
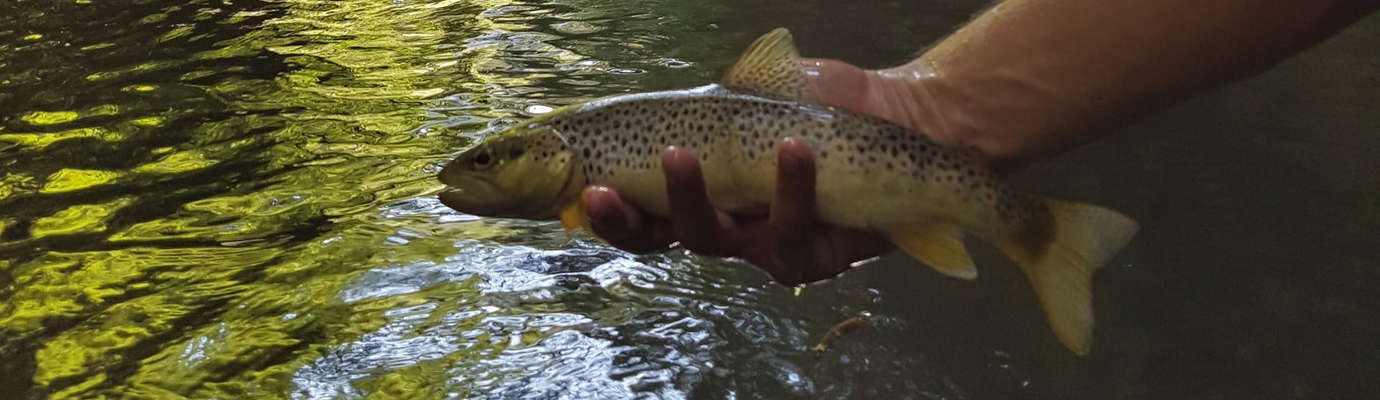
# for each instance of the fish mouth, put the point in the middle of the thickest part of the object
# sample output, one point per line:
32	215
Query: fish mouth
453	197
474	195
477	193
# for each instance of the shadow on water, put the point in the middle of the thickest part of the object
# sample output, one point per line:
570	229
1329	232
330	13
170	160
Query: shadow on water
218	199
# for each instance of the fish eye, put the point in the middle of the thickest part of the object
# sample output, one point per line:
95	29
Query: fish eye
482	159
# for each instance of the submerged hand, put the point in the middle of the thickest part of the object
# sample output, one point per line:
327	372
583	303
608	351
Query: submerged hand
789	242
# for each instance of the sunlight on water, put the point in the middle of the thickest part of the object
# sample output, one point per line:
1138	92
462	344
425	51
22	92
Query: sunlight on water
238	203
215	199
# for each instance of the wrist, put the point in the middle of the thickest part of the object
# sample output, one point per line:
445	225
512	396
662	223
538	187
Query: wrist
958	113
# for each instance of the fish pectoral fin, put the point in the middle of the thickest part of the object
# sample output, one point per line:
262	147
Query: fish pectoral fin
573	215
939	245
771	67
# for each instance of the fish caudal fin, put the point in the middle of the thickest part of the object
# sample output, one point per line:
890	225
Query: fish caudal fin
938	245
1060	258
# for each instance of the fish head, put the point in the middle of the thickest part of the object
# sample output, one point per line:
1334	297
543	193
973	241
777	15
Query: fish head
527	172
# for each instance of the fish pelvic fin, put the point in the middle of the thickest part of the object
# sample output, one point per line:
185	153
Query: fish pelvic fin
939	245
770	67
1059	251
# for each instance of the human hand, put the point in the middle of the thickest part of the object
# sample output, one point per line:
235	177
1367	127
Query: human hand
789	242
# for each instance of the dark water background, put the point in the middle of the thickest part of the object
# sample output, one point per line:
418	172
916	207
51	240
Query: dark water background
218	199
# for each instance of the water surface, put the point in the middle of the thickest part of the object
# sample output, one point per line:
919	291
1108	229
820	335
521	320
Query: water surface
216	199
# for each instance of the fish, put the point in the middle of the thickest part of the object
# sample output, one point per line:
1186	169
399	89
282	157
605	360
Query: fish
872	174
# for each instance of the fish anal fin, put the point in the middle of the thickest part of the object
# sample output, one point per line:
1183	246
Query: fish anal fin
939	245
771	67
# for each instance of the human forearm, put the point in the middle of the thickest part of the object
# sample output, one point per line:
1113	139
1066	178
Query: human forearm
1030	78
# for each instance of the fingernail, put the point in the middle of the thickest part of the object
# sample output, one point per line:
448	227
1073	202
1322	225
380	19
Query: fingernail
794	152
676	153
794	142
598	201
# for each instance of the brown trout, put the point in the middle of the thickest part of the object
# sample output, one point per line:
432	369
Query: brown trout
871	174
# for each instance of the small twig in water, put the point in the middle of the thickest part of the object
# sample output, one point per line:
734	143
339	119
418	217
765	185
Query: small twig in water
839	330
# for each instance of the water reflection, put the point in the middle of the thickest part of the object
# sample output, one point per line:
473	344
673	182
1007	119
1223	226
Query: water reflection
229	200
234	200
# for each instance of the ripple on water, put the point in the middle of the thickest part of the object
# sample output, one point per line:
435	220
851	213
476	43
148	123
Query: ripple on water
236	200
509	321
576	27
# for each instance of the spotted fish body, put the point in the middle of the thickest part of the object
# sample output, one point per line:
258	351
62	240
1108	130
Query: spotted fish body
871	174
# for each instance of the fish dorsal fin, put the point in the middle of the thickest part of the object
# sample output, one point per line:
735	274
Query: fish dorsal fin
770	67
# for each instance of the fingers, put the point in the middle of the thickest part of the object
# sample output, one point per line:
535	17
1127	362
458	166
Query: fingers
792	216
622	225
693	221
789	244
793	205
699	226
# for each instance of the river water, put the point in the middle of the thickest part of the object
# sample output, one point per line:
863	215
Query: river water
217	199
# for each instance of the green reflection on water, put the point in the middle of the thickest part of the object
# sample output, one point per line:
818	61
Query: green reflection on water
234	200
224	175
49	117
85	218
68	180
45	139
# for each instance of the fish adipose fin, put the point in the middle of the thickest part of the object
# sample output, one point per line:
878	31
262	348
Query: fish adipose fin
770	67
938	245
1060	257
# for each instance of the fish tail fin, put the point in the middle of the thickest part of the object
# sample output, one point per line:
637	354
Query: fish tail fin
1059	255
